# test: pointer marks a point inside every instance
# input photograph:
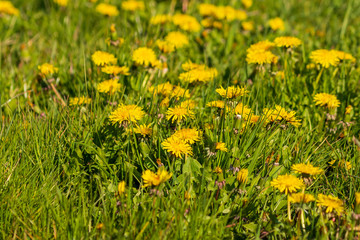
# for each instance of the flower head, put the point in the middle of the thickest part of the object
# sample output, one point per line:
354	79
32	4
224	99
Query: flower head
357	198
343	55
160	19
8	8
221	146
326	100
179	113
79	101
301	198
186	22
287	42
144	56
116	70
325	57
131	113
287	183
331	203
277	24
218	104
107	9
101	58
62	3
109	86
132	5
243	110
307	169
260	57
232	92
165	46
47	69
279	114
196	72
121	187
177	39
144	130
155	179
177	146
242	175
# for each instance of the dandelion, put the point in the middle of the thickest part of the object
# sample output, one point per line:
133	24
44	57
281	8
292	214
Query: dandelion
232	92
179	113
325	58
47	69
79	101
107	9
200	74
101	58
155	179
242	175
326	100
218	170
306	169
121	188
287	183
276	24
331	203
144	56
343	55
186	22
248	25
207	9
164	89
130	113
288	42
116	70
177	147
165	46
261	46
218	104
221	146
247	3
357	198
6	7
160	19
189	135
301	198
62	3
144	130
260	57
279	114
243	110
348	109
132	5
109	86
190	104
177	39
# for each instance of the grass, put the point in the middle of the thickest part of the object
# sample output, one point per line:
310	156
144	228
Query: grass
60	165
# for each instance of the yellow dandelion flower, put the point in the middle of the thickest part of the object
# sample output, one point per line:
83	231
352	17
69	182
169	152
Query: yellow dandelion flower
186	22
144	56
232	92
155	179
179	113
207	9
261	46
165	46
243	110
130	113
201	74
301	198
279	114
187	66
107	9
143	129
254	118
260	57
47	69
331	203
276	24
132	5
240	15
287	41
101	58
307	169
178	39
189	135
160	19
325	57
79	101
247	3
248	25
165	102
6	7
218	170
242	175
62	3
121	187
163	88
218	104
179	92
348	109
190	104
357	198
221	146
109	86
177	147
287	183
116	70
326	100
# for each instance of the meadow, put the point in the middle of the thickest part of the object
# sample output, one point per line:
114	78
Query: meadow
156	119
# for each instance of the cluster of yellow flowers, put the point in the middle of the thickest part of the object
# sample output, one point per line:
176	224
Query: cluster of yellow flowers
197	73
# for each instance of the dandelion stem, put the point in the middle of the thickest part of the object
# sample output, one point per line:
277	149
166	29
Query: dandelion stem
288	208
